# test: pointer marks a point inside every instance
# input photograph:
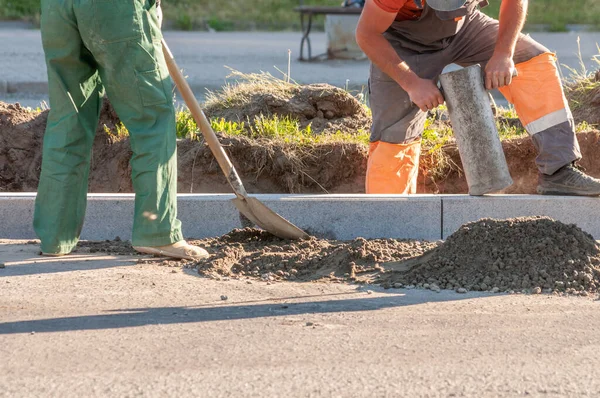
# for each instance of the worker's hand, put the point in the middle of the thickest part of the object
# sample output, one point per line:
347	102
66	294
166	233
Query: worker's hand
424	93
499	71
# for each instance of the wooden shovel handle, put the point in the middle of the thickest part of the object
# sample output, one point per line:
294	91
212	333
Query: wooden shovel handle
203	123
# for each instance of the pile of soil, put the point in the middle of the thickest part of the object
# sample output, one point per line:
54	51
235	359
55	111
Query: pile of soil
21	139
273	167
531	254
21	135
256	254
325	107
265	166
528	255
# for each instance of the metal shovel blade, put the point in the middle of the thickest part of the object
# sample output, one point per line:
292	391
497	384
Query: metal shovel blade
267	219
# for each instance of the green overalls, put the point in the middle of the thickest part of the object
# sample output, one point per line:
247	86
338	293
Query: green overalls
92	45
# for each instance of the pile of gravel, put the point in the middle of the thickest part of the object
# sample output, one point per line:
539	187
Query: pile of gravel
531	254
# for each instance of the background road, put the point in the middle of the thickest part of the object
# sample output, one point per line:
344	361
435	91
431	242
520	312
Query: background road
204	57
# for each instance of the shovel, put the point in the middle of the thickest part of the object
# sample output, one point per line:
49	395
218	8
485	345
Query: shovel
251	208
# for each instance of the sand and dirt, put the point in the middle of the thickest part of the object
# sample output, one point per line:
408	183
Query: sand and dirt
523	255
529	255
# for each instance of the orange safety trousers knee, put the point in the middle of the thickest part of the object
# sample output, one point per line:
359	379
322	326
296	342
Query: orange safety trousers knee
393	168
537	94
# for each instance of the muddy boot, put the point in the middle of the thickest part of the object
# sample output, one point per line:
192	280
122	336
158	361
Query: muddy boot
568	181
181	250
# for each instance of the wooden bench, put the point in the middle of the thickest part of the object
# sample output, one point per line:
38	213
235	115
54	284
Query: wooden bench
306	18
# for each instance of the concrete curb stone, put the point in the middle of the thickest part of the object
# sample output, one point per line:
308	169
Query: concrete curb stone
345	217
329	216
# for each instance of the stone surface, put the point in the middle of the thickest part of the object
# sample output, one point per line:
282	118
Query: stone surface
16	216
461	209
481	153
330	216
368	216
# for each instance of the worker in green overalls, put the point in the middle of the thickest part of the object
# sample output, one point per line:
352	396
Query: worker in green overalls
112	45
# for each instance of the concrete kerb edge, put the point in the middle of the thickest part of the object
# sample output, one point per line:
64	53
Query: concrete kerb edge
425	217
330	216
7	87
461	209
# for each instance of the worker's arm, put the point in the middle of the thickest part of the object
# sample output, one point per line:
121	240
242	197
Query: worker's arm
373	22
500	68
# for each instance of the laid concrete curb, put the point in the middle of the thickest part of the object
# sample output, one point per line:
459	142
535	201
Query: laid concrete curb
24	87
331	216
426	217
461	209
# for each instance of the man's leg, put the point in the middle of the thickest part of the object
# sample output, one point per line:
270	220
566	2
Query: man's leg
125	38
74	108
393	164
539	100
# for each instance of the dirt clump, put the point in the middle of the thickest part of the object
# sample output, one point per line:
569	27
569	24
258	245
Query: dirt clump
266	166
326	108
530	254
254	253
526	255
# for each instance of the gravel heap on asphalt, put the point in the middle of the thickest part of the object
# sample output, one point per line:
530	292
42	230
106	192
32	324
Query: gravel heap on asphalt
532	254
257	254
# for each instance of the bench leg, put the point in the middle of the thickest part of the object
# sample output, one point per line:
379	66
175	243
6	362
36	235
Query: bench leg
306	28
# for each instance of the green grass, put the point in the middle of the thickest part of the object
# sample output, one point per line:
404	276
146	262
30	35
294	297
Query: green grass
19	9
279	129
288	130
556	13
279	14
237	14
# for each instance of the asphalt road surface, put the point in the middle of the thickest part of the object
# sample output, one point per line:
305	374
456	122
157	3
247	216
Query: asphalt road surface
104	326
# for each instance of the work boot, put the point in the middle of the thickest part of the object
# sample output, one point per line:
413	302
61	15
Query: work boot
181	250
568	180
